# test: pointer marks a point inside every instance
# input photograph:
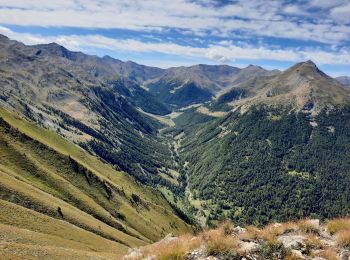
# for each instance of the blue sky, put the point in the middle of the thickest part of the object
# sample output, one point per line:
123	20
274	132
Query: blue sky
163	33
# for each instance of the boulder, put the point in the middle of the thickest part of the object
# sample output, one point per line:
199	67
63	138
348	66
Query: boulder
133	253
249	247
293	241
344	255
298	254
238	230
315	223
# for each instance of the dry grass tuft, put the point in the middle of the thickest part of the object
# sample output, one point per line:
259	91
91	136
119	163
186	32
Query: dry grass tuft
224	241
313	242
340	224
176	249
272	231
251	234
328	254
307	226
219	243
343	237
292	256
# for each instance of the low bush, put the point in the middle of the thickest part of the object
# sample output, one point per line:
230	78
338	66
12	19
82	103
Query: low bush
273	250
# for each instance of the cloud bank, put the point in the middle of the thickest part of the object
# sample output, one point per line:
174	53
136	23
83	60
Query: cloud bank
203	30
221	52
322	21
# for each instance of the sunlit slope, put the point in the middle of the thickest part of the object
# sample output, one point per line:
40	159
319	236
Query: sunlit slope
26	234
53	178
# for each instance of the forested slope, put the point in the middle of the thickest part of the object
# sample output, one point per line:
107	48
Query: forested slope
271	164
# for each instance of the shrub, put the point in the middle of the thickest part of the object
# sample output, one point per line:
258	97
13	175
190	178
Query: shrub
273	250
59	210
227	228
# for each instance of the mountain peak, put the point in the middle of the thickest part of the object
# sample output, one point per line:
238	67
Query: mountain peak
310	62
304	83
306	64
54	48
344	80
306	69
253	66
4	38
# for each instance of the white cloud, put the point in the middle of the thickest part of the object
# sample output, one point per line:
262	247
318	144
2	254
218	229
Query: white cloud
325	3
225	52
254	18
294	10
341	13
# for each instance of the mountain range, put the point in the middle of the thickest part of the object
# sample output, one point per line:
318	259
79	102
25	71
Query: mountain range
124	153
345	80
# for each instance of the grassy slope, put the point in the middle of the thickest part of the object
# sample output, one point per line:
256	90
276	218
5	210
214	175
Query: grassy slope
42	171
22	227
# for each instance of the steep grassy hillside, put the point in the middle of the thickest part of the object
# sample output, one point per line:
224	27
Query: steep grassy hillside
45	177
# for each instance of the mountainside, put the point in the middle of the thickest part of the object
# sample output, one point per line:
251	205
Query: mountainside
102	68
123	153
58	93
268	157
281	145
344	80
69	199
269	164
185	86
302	86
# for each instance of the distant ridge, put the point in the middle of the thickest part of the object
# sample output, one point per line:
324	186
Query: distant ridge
303	86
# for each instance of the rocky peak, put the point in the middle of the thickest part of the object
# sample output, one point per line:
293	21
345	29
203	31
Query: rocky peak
3	38
58	50
306	69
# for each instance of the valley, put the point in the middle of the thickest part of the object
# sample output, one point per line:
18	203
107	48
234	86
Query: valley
98	155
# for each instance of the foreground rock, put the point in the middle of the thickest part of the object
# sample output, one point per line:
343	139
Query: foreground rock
305	239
